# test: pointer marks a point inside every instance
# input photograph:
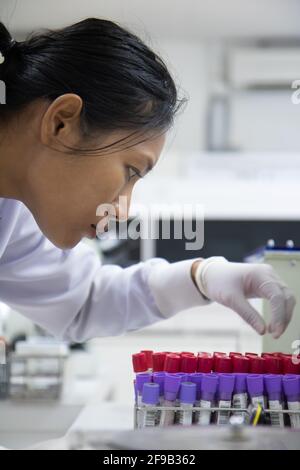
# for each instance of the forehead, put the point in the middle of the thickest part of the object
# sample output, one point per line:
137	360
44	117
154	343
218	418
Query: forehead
149	149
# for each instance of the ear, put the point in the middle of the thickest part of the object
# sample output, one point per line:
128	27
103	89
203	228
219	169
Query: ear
60	125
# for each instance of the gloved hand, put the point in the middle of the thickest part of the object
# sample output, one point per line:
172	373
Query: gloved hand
231	284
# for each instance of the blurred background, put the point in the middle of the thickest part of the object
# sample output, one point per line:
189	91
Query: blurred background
235	150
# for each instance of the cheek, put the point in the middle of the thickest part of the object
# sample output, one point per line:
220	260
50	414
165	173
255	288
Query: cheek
103	187
65	197
87	190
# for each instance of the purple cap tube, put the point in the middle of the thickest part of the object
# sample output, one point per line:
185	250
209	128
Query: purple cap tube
196	378
255	385
172	385
209	386
159	378
273	384
135	391
226	385
150	395
142	378
187	392
183	376
291	387
240	384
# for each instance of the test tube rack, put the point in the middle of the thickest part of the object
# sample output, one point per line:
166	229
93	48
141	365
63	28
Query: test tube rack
247	416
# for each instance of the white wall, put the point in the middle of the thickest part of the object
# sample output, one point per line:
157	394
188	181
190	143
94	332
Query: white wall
181	31
187	61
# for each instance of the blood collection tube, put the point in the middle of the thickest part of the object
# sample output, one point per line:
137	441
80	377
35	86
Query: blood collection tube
240	395
240	364
172	363
139	383
257	365
205	363
291	387
222	364
159	378
171	389
150	398
158	361
225	391
255	386
209	386
273	364
148	353
139	362
273	386
187	397
188	363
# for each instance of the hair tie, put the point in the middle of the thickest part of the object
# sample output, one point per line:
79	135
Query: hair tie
12	43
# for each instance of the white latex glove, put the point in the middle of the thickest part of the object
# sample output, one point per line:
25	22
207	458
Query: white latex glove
231	284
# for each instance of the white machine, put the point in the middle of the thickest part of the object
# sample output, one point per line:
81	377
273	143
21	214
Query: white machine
286	262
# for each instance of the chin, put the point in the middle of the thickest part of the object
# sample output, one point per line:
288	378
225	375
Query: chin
64	242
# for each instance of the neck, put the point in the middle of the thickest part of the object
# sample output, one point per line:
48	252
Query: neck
10	164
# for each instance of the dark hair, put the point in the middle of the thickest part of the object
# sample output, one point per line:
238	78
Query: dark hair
122	82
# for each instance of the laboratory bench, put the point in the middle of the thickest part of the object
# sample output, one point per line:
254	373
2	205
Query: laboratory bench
25	422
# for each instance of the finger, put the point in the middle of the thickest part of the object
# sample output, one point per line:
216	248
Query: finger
290	304
249	314
276	295
275	327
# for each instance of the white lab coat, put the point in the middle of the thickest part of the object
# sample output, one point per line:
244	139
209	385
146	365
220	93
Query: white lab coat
73	297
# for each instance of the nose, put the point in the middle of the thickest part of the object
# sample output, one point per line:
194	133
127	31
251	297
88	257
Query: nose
122	206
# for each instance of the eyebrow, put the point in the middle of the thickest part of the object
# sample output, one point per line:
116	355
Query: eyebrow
149	167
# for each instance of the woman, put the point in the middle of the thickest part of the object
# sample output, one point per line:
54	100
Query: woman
86	115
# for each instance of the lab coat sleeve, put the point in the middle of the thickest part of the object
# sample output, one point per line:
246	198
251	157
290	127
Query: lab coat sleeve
73	297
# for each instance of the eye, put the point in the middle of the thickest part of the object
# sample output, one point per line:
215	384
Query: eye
132	173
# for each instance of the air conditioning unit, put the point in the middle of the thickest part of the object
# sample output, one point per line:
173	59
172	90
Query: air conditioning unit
268	67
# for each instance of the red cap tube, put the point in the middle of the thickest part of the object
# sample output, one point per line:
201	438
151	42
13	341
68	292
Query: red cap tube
288	365
172	363
158	361
222	364
148	355
273	365
232	354
188	363
205	363
257	365
240	364
139	362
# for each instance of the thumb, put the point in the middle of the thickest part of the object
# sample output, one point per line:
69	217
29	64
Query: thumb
249	314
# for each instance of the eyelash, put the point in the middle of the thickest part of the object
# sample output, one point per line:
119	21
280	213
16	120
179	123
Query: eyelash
135	173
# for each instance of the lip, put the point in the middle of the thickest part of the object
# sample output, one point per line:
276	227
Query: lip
92	233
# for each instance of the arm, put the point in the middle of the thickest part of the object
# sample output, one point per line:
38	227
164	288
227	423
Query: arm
69	293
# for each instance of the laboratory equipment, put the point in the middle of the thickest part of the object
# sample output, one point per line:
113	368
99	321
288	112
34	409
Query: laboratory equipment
286	262
217	395
37	369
